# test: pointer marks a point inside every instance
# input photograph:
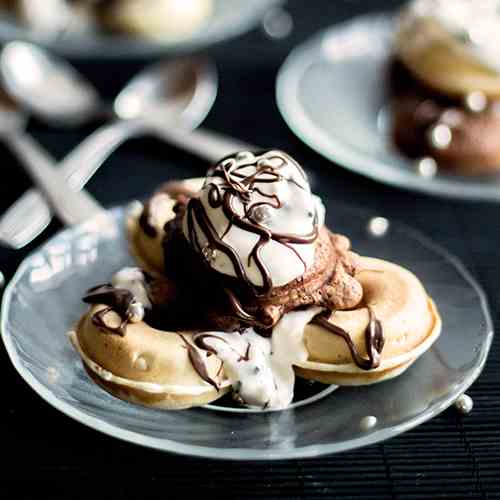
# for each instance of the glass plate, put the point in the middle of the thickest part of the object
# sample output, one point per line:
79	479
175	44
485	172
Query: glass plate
230	18
43	300
332	92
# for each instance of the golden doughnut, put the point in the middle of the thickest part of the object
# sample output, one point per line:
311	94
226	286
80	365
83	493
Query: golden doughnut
148	250
146	366
410	322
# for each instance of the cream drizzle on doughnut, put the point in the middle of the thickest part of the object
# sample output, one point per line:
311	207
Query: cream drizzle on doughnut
261	369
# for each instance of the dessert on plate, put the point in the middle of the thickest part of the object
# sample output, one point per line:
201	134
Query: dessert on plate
240	286
445	81
162	20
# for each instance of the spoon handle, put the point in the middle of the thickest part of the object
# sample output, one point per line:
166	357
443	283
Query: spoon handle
71	207
207	145
83	162
31	214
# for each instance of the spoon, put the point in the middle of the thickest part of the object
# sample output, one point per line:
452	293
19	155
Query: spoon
180	91
71	207
51	89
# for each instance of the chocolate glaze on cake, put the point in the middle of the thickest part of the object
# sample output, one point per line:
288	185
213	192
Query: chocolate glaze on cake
194	293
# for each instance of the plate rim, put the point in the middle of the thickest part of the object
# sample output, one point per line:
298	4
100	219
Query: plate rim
241	454
287	82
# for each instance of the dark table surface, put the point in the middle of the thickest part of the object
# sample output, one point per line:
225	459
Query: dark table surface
449	457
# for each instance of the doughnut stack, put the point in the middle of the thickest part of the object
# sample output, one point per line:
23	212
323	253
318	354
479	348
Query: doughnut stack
241	287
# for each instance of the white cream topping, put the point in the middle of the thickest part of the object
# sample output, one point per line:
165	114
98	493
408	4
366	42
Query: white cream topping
261	369
300	210
148	387
474	24
133	280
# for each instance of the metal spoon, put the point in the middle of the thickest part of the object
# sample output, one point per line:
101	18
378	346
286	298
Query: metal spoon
71	207
181	91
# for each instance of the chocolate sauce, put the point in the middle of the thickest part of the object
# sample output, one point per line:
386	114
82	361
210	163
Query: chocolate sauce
241	186
199	340
117	300
244	316
374	340
199	363
144	221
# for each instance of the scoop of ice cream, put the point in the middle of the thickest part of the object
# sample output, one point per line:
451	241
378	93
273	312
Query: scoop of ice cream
452	44
256	219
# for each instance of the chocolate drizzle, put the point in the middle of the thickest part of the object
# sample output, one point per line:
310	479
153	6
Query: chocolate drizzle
374	340
238	185
144	221
117	300
199	363
199	340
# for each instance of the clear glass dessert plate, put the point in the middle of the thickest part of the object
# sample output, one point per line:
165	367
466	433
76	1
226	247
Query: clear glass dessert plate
333	93
229	19
43	300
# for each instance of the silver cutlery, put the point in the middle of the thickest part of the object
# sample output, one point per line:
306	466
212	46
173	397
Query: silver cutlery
180	92
71	207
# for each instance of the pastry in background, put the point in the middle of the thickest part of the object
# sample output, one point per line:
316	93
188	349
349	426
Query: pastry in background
161	20
56	16
445	81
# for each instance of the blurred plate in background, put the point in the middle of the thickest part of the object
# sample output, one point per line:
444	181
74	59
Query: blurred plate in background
229	19
332	92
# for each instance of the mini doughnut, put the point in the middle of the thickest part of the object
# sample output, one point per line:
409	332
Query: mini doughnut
442	64
146	366
445	84
145	237
410	322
